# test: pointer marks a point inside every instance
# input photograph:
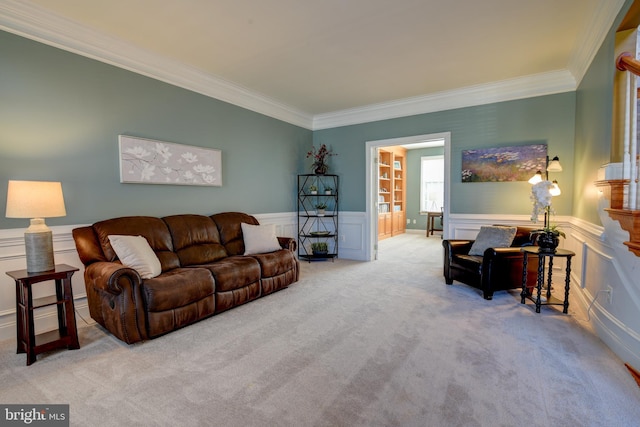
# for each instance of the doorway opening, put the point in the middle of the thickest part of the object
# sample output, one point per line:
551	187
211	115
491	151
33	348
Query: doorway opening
372	191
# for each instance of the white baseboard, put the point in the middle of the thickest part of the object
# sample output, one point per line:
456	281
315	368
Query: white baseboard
12	257
599	262
595	264
351	245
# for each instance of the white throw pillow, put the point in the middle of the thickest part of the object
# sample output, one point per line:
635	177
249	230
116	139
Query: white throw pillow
135	252
492	237
259	238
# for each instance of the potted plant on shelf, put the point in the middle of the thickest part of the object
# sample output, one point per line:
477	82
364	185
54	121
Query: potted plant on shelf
320	156
313	189
319	248
548	237
321	208
328	190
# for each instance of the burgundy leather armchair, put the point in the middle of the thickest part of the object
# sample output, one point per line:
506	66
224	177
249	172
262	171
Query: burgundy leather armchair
497	269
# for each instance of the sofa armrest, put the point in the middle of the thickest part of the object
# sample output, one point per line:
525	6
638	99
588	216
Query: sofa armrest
453	247
288	243
115	299
510	252
457	246
500	263
111	277
502	269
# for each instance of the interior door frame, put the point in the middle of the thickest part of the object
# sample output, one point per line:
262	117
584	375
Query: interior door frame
371	211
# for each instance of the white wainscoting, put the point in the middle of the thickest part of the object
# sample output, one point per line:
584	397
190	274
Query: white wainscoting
597	265
351	241
12	257
601	261
351	231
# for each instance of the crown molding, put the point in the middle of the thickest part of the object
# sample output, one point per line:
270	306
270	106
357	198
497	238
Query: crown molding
30	21
506	90
592	36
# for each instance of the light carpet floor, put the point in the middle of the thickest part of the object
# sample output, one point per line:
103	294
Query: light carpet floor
382	343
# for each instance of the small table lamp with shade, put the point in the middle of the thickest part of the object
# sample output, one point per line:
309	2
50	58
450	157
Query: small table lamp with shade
36	200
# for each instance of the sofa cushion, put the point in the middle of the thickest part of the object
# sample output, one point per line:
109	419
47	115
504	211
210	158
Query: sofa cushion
88	245
259	238
151	228
275	263
492	236
195	239
177	288
234	272
135	252
470	263
228	224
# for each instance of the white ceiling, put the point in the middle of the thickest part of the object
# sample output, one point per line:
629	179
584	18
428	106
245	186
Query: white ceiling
319	63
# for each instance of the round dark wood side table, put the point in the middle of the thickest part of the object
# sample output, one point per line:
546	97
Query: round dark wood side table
543	257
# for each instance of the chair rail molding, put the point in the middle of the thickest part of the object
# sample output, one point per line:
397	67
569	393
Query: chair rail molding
12	257
352	228
601	260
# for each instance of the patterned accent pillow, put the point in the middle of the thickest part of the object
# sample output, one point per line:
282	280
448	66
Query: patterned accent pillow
492	236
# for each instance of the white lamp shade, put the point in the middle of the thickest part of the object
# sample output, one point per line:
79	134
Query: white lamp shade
554	165
555	189
35	199
536	178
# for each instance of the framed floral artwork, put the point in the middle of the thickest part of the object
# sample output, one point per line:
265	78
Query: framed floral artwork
145	161
503	164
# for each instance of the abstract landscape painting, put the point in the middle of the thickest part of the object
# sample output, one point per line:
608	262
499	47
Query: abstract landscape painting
146	161
503	164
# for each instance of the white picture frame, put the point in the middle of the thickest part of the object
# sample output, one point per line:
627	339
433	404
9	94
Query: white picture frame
147	161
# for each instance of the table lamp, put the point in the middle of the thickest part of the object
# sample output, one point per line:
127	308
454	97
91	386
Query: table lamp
36	200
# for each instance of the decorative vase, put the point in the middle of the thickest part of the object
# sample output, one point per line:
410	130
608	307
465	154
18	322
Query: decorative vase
321	168
548	241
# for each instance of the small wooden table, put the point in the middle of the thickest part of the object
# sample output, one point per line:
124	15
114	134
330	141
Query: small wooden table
431	217
66	335
542	257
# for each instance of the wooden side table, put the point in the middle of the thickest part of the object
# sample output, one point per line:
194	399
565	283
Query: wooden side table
542	258
431	217
66	335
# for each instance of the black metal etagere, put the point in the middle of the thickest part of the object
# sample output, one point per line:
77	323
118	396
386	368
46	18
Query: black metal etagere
318	216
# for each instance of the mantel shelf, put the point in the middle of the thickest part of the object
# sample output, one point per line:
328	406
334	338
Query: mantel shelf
629	219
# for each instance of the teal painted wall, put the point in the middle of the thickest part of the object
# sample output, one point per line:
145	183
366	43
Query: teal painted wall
61	114
594	111
413	186
546	119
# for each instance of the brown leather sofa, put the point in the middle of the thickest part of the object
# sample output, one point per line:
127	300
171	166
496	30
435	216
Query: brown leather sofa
497	269
204	272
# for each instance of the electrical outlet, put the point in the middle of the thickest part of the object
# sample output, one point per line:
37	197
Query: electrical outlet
609	293
408	221
414	221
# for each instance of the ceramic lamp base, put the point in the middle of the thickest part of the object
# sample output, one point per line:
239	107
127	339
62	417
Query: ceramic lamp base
39	250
